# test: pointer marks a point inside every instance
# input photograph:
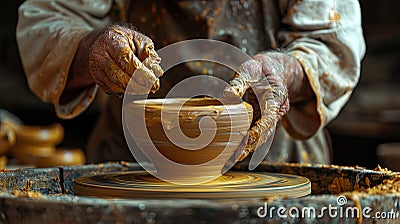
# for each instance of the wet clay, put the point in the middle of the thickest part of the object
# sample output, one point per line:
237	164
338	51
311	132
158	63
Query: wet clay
26	191
224	124
388	186
335	179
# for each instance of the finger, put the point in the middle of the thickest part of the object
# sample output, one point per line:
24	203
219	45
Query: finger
237	88
258	134
145	77
274	104
251	71
253	138
112	68
143	45
153	63
100	69
104	87
118	80
139	43
110	81
261	152
143	80
129	42
132	65
136	89
248	73
150	86
145	74
151	60
157	70
109	87
116	75
241	155
252	99
121	51
116	89
129	62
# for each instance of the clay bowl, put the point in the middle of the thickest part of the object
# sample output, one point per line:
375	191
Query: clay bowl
60	157
7	139
223	127
24	152
3	162
50	135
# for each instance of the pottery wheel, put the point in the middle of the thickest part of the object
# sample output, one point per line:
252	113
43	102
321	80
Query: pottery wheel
232	185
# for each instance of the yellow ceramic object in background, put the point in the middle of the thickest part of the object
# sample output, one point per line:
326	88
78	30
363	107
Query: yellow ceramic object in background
35	141
37	146
61	157
40	135
7	138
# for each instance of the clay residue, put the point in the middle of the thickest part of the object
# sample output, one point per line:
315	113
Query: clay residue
388	186
7	171
170	114
124	163
340	184
336	179
171	120
270	199
26	192
317	165
334	16
356	200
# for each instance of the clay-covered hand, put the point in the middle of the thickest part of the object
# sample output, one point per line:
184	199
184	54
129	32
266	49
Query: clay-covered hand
269	78
111	56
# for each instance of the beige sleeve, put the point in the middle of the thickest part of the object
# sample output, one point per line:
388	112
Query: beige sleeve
48	34
327	38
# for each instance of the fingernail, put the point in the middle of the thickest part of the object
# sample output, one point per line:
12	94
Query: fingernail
230	93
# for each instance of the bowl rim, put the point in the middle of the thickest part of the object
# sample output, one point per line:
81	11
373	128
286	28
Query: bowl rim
158	103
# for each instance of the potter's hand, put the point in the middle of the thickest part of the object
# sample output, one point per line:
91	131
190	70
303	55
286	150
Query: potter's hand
110	56
271	77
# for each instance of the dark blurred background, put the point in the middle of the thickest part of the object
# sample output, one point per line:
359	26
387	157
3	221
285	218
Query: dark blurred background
15	95
371	118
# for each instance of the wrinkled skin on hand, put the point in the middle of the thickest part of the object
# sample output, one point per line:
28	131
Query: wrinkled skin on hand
271	77
111	56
